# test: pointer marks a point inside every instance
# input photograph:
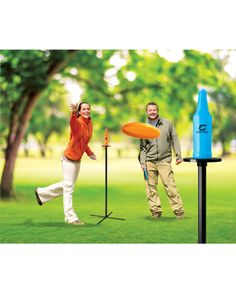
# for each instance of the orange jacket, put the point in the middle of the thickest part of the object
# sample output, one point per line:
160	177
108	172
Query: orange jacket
80	135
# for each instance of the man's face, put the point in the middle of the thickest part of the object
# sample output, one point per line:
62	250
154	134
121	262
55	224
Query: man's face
152	112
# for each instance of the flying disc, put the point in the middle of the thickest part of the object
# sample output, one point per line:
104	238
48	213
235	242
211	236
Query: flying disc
140	130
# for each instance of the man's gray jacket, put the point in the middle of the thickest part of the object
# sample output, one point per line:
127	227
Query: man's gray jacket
160	149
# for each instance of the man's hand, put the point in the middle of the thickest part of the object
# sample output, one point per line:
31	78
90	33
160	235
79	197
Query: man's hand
178	162
93	157
143	166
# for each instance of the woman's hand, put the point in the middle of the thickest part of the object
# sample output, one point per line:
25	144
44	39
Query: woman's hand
74	107
93	157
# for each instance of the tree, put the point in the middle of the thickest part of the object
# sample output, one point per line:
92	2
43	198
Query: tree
222	91
223	109
24	75
48	116
118	84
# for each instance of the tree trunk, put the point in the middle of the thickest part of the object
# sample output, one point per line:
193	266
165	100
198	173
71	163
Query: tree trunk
18	126
7	175
43	144
223	143
26	146
224	150
14	140
26	151
43	149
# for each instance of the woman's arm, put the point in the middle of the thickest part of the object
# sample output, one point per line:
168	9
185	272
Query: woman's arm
90	153
73	118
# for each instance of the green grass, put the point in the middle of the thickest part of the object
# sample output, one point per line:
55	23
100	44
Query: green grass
23	221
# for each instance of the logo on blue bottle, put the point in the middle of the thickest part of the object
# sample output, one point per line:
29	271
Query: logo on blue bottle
202	128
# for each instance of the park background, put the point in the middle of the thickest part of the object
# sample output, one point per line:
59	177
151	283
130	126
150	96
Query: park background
100	24
37	87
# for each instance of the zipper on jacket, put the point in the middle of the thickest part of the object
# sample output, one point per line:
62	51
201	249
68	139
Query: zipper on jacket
157	126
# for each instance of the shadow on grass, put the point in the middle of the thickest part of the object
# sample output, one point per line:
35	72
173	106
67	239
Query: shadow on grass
163	219
55	224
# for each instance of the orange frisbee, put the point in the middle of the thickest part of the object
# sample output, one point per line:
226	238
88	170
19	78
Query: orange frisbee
141	130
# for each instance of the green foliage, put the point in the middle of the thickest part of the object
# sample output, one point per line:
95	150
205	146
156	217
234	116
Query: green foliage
49	115
223	112
140	76
23	73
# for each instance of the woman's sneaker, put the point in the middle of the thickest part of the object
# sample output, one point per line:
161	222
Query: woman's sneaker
77	222
37	197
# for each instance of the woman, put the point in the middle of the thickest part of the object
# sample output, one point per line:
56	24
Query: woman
80	135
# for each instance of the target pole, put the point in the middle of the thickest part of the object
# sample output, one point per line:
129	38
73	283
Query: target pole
202	207
106	214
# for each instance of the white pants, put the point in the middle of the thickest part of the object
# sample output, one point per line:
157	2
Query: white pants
70	170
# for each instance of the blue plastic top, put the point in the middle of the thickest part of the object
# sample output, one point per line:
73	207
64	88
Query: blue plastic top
202	101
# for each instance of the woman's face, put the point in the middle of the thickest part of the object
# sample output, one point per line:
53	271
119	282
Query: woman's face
85	111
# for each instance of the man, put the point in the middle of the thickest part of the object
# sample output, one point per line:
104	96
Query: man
155	156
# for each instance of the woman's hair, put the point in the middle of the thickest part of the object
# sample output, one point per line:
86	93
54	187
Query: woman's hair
79	107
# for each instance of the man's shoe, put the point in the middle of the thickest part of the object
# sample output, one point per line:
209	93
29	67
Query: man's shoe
180	216
37	197
156	215
77	222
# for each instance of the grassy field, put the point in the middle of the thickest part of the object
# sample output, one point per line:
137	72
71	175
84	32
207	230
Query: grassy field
23	221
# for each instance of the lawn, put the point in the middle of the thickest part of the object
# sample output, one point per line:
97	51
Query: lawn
23	221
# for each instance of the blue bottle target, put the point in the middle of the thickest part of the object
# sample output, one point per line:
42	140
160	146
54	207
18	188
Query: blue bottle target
202	128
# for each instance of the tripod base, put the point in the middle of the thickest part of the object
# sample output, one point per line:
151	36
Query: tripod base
106	216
